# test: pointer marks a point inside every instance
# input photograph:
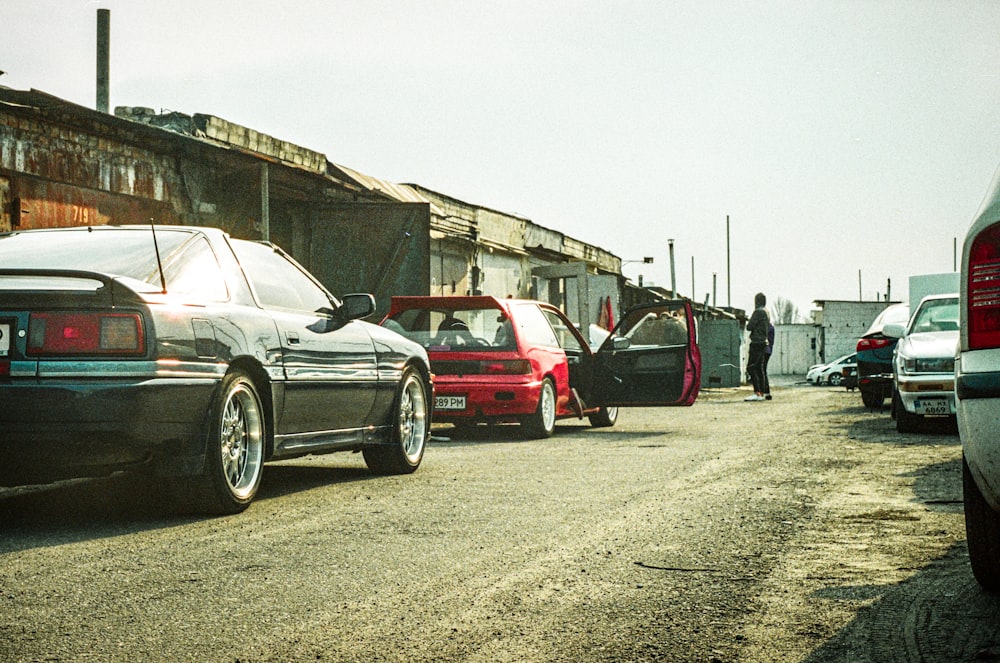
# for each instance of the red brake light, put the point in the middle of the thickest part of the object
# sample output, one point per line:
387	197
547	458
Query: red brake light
507	367
872	343
984	290
77	333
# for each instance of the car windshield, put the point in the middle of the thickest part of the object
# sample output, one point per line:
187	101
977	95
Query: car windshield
935	315
455	330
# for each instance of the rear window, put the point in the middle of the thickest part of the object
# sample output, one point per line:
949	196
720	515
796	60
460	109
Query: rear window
455	330
894	314
190	267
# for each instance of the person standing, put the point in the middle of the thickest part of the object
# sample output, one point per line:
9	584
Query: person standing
767	360
758	328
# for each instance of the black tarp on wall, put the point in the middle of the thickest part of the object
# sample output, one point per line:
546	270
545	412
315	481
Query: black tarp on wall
381	248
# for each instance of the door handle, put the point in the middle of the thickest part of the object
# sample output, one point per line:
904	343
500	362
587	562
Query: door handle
292	338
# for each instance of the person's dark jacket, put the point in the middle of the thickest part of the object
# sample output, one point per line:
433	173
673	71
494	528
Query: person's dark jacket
758	326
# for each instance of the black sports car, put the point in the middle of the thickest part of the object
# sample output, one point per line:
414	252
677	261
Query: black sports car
194	356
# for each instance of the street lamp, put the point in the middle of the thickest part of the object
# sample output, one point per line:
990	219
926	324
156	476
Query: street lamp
647	260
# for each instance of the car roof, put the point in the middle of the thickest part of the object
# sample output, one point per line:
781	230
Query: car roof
894	312
207	230
947	295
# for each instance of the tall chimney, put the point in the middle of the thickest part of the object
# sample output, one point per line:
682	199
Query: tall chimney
103	58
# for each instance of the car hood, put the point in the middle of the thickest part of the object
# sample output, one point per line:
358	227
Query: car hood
929	344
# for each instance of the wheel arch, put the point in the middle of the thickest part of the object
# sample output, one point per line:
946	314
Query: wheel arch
423	368
262	383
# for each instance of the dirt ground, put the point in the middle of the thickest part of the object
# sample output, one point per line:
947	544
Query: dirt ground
801	529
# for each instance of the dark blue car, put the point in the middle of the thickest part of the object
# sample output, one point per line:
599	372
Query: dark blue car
875	356
193	357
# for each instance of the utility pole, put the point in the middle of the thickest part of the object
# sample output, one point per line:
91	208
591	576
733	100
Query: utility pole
103	59
673	274
729	282
692	279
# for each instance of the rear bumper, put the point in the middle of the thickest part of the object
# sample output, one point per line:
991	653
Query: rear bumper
59	429
978	402
970	386
877	383
910	400
488	401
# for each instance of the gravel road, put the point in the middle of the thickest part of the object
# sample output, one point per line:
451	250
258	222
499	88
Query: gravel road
801	529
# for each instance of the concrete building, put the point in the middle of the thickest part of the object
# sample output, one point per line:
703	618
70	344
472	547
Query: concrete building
795	349
841	324
65	165
62	165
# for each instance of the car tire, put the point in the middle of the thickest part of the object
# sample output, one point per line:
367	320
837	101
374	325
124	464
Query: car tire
872	399
542	423
982	531
906	422
234	452
834	379
410	429
604	417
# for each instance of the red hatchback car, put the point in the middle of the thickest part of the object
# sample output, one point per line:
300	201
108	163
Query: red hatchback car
522	361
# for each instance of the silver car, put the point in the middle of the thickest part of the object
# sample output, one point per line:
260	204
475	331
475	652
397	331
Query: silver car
923	366
977	386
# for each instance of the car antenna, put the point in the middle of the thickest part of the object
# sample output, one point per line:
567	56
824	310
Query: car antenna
156	248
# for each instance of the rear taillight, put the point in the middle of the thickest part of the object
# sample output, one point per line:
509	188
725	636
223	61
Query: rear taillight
506	367
983	303
873	343
78	333
481	367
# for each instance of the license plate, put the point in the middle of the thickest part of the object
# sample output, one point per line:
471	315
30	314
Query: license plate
4	339
932	406
449	402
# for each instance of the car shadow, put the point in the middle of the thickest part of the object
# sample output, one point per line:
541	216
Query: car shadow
289	477
511	434
864	425
77	510
86	509
938	614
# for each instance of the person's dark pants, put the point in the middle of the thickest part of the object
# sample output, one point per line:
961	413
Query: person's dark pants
767	381
755	366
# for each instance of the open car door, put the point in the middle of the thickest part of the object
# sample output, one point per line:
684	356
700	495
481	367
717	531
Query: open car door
651	358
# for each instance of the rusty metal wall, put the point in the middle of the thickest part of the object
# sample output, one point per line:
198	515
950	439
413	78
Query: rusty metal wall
65	171
44	204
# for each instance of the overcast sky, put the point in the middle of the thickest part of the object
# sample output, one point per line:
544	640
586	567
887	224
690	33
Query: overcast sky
842	138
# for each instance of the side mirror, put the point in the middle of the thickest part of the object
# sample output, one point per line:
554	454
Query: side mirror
621	343
356	307
894	330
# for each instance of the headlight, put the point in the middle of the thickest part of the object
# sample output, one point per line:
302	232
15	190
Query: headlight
928	364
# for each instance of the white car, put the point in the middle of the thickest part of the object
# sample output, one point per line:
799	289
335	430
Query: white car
832	373
977	386
923	363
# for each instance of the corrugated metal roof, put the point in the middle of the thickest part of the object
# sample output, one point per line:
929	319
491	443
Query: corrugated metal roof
400	192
